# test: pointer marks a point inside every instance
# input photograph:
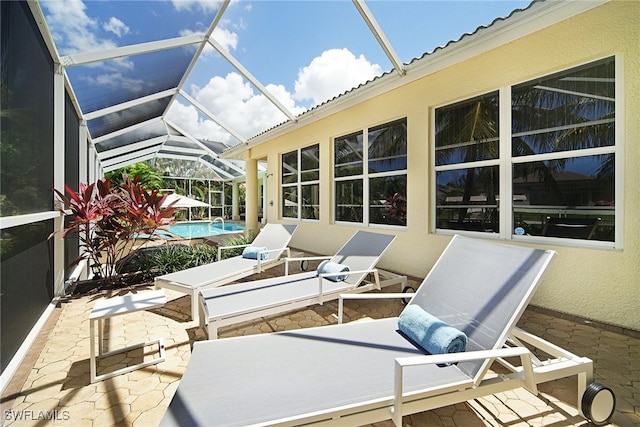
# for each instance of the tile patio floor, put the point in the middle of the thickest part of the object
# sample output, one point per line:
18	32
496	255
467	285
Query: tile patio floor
54	380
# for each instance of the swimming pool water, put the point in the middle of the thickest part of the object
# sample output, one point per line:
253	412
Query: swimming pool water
194	230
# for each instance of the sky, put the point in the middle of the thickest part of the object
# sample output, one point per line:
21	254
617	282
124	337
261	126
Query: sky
304	52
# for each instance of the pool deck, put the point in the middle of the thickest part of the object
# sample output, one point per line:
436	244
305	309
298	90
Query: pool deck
53	381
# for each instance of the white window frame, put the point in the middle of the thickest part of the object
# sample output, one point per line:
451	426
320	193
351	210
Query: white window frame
506	162
298	185
365	177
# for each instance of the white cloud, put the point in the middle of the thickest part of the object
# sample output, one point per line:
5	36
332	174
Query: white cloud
248	112
117	81
231	98
186	116
72	28
236	103
228	39
332	73
116	27
197	5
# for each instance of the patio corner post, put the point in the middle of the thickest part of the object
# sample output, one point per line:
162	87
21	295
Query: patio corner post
235	202
251	202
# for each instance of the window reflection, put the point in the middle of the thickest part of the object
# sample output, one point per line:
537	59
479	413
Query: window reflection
349	201
467	199
578	190
562	158
300	183
384	199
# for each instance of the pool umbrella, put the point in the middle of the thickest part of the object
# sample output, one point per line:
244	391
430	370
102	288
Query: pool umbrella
182	202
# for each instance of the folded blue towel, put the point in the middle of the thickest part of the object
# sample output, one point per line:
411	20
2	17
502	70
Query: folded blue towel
429	332
252	252
333	267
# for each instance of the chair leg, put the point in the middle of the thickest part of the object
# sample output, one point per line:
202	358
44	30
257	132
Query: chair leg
194	305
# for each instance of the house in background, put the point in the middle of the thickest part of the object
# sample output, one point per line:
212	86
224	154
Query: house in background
529	122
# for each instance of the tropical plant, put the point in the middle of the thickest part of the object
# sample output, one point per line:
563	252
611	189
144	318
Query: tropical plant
172	258
236	241
106	220
150	178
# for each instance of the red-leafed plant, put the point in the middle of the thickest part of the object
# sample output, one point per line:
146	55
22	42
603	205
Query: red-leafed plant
106	220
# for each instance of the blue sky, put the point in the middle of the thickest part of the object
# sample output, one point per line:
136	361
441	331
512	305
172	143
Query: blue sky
305	52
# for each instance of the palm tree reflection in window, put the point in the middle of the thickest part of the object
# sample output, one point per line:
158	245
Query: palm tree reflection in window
466	133
562	154
387	164
383	166
568	117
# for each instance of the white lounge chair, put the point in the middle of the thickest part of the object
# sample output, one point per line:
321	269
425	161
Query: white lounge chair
274	237
252	300
364	372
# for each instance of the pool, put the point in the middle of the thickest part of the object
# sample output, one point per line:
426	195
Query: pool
197	229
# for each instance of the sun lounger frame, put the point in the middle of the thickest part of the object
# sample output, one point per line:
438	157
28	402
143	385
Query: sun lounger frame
213	322
298	355
528	375
249	268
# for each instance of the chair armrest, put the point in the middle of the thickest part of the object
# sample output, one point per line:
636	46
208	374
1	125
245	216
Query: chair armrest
307	258
346	273
342	297
466	356
234	246
220	248
373	296
403	362
259	257
289	259
285	249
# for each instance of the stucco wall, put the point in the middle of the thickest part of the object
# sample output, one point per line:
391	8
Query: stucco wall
600	284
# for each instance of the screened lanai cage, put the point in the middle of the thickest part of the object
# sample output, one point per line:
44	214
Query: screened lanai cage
83	96
229	116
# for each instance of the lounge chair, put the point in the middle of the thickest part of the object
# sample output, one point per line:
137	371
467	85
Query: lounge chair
274	237
364	372
252	300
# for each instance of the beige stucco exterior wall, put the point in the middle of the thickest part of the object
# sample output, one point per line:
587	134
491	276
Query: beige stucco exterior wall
599	284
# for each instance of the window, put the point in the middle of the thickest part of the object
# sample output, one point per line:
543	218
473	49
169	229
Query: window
467	159
377	193
557	166
301	183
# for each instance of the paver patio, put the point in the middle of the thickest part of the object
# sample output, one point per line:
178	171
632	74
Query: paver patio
53	387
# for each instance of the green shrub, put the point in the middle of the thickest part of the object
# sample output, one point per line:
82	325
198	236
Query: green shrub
175	258
159	260
240	239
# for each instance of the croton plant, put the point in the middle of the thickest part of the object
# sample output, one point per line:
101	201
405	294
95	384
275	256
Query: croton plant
106	220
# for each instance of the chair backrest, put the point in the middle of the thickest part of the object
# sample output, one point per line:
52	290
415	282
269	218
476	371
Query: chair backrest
274	236
482	288
362	252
